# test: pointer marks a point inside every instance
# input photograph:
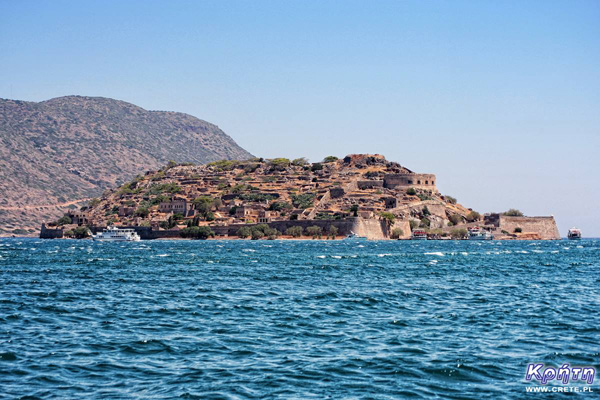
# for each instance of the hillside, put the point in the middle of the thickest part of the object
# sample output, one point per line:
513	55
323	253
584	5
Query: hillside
228	194
75	147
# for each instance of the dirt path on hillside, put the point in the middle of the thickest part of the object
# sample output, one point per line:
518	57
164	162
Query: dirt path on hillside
29	207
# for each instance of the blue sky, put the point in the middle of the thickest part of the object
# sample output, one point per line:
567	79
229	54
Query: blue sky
501	99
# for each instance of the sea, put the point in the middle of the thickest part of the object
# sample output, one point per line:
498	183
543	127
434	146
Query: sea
288	319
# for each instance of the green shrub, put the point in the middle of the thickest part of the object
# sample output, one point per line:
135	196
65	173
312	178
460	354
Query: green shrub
280	206
204	205
271	233
329	159
250	168
388	217
397	233
473	216
257	234
513	213
450	199
354	210
81	232
197	232
423	196
411	191
244	232
256	197
316	167
157	200
64	220
223	165
294	231
169	223
93	202
177	216
299	162
413	224
303	201
314	231
279	164
333	232
458	233
455	219
239	188
142	212
425	223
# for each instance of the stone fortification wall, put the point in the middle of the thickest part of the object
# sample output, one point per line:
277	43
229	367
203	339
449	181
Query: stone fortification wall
418	181
544	226
403	224
362	185
46	233
371	228
345	227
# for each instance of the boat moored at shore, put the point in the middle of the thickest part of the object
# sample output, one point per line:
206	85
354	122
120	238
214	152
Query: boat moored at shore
419	234
114	234
476	233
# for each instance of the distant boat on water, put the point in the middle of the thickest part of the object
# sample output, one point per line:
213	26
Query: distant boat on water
574	234
354	236
114	234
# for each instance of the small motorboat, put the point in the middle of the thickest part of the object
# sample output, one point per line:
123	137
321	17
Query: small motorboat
574	234
354	236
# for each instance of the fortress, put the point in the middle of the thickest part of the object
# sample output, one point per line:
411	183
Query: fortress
406	180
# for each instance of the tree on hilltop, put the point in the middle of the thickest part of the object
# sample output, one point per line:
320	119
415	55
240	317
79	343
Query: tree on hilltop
513	212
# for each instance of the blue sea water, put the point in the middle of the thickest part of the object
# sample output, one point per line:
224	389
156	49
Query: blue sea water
293	319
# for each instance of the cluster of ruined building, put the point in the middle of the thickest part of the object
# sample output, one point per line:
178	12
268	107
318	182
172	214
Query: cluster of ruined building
337	193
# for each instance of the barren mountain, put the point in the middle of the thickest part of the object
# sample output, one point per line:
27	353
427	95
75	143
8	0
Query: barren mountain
74	147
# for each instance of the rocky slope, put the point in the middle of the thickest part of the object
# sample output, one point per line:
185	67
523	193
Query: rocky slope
74	147
234	193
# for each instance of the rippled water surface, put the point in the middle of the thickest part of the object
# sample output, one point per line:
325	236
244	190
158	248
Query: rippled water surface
291	319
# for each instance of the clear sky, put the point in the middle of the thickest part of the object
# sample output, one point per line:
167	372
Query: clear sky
500	99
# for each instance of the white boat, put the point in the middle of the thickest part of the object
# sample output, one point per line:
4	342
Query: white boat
354	236
419	234
114	234
477	233
574	234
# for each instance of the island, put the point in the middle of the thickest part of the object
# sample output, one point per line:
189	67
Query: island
361	194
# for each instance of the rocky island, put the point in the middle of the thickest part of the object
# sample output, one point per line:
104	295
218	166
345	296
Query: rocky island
268	198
